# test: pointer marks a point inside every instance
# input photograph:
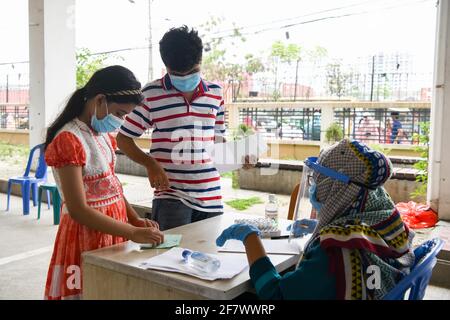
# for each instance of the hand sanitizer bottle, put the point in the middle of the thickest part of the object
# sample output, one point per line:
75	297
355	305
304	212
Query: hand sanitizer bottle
272	208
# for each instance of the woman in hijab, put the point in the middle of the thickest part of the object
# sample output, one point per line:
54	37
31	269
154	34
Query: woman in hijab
360	248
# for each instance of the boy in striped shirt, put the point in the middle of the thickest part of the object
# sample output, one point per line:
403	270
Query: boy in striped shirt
186	114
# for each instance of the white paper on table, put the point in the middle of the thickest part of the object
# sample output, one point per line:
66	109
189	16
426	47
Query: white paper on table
230	156
172	261
281	246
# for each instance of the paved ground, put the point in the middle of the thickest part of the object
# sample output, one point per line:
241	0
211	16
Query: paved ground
26	246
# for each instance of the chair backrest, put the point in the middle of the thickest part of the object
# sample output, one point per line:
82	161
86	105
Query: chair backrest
41	170
292	202
419	277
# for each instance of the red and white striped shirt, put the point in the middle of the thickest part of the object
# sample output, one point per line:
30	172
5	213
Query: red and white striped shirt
182	131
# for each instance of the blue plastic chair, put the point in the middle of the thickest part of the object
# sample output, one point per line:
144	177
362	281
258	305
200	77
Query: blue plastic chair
28	183
419	277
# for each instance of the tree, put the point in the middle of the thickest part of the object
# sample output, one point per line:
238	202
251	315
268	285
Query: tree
283	54
315	56
216	64
87	64
337	79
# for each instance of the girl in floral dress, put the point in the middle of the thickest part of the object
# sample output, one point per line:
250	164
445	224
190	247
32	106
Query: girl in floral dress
81	152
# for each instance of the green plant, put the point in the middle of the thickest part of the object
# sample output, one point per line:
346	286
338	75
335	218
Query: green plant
227	175
379	148
334	133
87	64
422	177
10	151
244	204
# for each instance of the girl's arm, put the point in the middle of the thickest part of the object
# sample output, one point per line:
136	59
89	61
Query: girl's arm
75	199
135	220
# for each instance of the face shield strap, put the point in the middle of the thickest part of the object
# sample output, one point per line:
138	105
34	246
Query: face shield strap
311	162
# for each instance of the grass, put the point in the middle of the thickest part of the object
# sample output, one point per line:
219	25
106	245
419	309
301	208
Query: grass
14	154
244	204
233	175
227	175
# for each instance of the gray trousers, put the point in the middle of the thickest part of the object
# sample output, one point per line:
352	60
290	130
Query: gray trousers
172	213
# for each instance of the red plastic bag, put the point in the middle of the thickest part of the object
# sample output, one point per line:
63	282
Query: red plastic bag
417	215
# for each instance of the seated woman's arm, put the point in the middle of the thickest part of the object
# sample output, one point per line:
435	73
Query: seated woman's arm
311	280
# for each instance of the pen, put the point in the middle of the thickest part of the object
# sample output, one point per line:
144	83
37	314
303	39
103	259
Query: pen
280	237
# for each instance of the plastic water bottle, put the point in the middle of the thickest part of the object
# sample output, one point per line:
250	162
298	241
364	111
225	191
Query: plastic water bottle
201	261
272	208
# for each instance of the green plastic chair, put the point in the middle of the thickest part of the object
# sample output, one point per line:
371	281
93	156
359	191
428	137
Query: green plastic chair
56	201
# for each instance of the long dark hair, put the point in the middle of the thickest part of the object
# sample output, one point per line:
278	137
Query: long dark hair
117	83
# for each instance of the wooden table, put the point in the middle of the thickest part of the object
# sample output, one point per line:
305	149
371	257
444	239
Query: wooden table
113	272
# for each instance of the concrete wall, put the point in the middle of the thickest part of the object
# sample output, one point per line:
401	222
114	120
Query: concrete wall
400	190
14	136
125	165
278	149
253	180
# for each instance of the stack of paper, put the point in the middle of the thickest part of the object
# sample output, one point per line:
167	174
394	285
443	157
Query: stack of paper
283	246
172	260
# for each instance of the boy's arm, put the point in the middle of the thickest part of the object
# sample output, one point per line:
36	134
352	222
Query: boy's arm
219	128
156	174
136	123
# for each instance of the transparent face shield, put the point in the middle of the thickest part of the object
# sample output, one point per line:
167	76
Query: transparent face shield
303	208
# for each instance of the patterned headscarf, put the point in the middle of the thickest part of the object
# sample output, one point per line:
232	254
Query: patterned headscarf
359	227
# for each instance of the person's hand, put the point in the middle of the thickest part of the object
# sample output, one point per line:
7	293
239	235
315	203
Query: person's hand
303	227
157	176
238	231
147	235
249	162
144	223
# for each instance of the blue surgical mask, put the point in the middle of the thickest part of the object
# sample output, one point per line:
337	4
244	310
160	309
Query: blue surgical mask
110	123
313	198
186	83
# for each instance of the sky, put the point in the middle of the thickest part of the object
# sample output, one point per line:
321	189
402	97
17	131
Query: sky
347	28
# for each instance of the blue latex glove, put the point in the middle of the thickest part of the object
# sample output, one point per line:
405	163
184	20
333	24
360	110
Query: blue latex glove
238	231
303	227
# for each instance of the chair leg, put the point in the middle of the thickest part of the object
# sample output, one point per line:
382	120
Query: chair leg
39	202
9	195
48	199
34	189
56	207
26	198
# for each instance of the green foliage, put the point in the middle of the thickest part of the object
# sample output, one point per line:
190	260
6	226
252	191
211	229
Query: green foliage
334	133
244	204
379	148
337	79
286	53
87	64
424	140
242	131
280	54
14	154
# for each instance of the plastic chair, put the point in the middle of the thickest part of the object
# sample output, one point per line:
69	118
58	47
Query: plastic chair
56	201
292	202
26	182
419	277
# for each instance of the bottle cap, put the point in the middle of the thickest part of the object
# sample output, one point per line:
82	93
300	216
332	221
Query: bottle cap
186	254
271	197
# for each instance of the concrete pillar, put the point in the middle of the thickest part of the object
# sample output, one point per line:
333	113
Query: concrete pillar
439	168
52	61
